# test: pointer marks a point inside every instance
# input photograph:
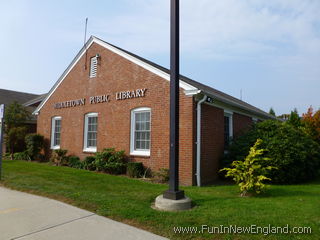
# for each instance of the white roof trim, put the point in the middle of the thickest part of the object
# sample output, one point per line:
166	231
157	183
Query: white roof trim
187	87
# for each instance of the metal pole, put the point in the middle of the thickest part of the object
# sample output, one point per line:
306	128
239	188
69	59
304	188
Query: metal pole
2	110
174	192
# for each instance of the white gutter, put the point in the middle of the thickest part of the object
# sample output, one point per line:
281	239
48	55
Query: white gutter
198	170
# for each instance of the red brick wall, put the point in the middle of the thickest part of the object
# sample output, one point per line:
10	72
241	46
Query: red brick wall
241	123
115	74
212	142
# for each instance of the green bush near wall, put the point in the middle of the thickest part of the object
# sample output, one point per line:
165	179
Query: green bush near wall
135	169
21	156
295	154
89	163
59	157
110	161
74	162
34	145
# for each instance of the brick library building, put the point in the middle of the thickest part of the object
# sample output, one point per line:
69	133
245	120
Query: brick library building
109	97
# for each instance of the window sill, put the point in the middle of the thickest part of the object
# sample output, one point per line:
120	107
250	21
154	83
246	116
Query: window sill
55	147
90	150
140	153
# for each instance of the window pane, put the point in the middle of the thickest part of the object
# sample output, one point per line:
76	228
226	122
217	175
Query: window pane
56	132
143	117
143	145
143	136
148	116
226	131
148	145
147	125
138	116
142	131
138	146
92	131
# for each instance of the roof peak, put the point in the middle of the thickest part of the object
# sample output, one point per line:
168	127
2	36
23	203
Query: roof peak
190	86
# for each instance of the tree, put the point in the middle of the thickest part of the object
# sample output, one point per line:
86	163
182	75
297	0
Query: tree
250	173
294	118
311	122
272	112
15	131
295	154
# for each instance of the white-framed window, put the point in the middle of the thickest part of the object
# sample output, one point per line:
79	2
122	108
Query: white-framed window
55	132
93	66
90	132
228	128
140	137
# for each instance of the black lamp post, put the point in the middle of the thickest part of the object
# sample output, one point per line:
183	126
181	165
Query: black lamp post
173	192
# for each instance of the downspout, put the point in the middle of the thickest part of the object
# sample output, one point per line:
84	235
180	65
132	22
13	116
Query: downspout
198	168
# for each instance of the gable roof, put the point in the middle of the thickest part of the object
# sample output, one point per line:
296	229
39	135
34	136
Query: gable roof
191	87
36	100
204	88
8	96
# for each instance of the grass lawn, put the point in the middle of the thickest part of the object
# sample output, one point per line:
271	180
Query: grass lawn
128	200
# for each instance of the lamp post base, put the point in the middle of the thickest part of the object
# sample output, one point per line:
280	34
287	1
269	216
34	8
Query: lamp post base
166	204
173	195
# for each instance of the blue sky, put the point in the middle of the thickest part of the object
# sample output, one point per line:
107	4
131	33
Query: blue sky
268	48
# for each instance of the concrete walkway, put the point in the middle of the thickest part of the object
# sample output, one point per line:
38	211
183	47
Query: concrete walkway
25	216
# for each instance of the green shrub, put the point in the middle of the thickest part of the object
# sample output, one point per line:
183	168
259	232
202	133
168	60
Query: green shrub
74	162
293	152
6	156
250	173
34	145
59	157
89	163
110	161
115	168
162	175
21	156
135	169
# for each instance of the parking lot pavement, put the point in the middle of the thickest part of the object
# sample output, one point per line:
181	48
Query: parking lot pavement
25	216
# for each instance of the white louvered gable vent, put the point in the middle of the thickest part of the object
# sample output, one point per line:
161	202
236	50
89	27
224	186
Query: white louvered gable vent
93	66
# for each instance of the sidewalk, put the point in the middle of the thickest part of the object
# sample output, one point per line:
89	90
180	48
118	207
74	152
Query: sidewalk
28	217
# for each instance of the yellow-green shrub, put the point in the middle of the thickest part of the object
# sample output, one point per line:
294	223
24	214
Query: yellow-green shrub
250	173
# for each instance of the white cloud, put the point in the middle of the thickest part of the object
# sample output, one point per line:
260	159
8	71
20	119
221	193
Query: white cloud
281	38
210	28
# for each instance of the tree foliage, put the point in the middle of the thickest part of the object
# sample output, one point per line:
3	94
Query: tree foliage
15	117
34	145
295	154
14	139
250	173
272	112
294	118
311	122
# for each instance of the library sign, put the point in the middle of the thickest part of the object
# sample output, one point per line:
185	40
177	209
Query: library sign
123	95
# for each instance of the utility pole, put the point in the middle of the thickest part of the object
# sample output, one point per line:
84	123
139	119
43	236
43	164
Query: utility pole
173	192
